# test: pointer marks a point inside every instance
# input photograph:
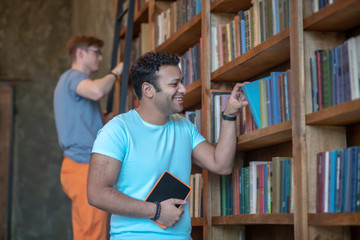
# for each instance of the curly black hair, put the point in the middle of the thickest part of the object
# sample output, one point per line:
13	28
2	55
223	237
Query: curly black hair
146	68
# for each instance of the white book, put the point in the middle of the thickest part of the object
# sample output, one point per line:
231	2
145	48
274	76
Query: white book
326	182
353	69
252	184
214	49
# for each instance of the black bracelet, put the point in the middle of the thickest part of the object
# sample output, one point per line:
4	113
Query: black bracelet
225	117
158	210
114	74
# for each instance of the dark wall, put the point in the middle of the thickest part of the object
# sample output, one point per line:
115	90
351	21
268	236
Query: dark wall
33	36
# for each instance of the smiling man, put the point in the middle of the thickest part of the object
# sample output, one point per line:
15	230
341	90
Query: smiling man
133	150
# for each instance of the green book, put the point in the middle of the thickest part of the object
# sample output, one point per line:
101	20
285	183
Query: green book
263	104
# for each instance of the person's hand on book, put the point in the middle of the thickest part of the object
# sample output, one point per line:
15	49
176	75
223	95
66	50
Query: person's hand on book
236	101
170	214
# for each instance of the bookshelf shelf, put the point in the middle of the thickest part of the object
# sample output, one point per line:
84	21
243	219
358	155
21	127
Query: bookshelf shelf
252	219
334	219
278	133
338	16
186	37
193	94
270	53
227	6
197	222
141	16
342	114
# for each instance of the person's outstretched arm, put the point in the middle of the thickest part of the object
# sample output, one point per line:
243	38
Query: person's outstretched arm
220	158
98	88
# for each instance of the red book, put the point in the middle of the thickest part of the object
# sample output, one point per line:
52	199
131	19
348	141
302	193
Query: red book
320	178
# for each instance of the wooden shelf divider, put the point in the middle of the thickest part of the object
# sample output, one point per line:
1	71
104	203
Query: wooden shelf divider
341	114
339	16
264	137
252	219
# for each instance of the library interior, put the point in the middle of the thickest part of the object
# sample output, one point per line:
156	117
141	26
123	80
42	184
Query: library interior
296	172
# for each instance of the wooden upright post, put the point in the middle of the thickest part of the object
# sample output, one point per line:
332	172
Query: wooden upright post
6	106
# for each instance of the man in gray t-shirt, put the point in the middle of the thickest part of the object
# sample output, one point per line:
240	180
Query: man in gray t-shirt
78	118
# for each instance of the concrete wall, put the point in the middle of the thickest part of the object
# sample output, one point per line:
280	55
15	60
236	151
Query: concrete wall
33	36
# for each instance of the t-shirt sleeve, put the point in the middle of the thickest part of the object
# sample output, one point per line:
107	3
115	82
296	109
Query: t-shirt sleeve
111	140
76	78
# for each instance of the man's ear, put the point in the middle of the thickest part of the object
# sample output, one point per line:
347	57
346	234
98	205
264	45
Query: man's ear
79	53
148	89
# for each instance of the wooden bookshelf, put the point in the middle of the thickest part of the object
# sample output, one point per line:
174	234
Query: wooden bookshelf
253	219
304	136
334	219
232	6
186	37
264	137
342	114
268	54
197	222
139	18
340	16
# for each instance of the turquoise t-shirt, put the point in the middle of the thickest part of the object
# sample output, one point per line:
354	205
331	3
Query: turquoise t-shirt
146	151
77	119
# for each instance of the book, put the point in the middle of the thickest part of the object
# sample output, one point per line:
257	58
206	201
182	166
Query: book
252	95
168	186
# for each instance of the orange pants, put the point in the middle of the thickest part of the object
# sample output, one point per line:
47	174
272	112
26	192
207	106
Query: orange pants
89	223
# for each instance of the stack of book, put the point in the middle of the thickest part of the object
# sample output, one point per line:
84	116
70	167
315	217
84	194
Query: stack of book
338	180
195	198
269	99
195	118
248	29
190	65
316	5
335	74
262	187
178	14
219	99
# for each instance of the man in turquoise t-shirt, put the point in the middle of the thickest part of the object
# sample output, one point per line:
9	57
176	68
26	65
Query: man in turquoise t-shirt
132	151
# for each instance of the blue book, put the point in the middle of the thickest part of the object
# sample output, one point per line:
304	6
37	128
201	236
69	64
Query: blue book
338	181
198	6
287	102
252	95
266	206
332	181
242	31
275	8
275	100
268	102
353	151
347	180
334	76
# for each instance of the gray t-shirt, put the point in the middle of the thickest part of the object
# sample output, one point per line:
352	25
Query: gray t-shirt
77	119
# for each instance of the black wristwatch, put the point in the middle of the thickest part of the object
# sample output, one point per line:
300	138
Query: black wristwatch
225	117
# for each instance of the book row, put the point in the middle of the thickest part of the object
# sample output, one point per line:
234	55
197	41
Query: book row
338	180
247	29
316	5
269	99
190	64
195	198
171	19
195	118
262	187
335	74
